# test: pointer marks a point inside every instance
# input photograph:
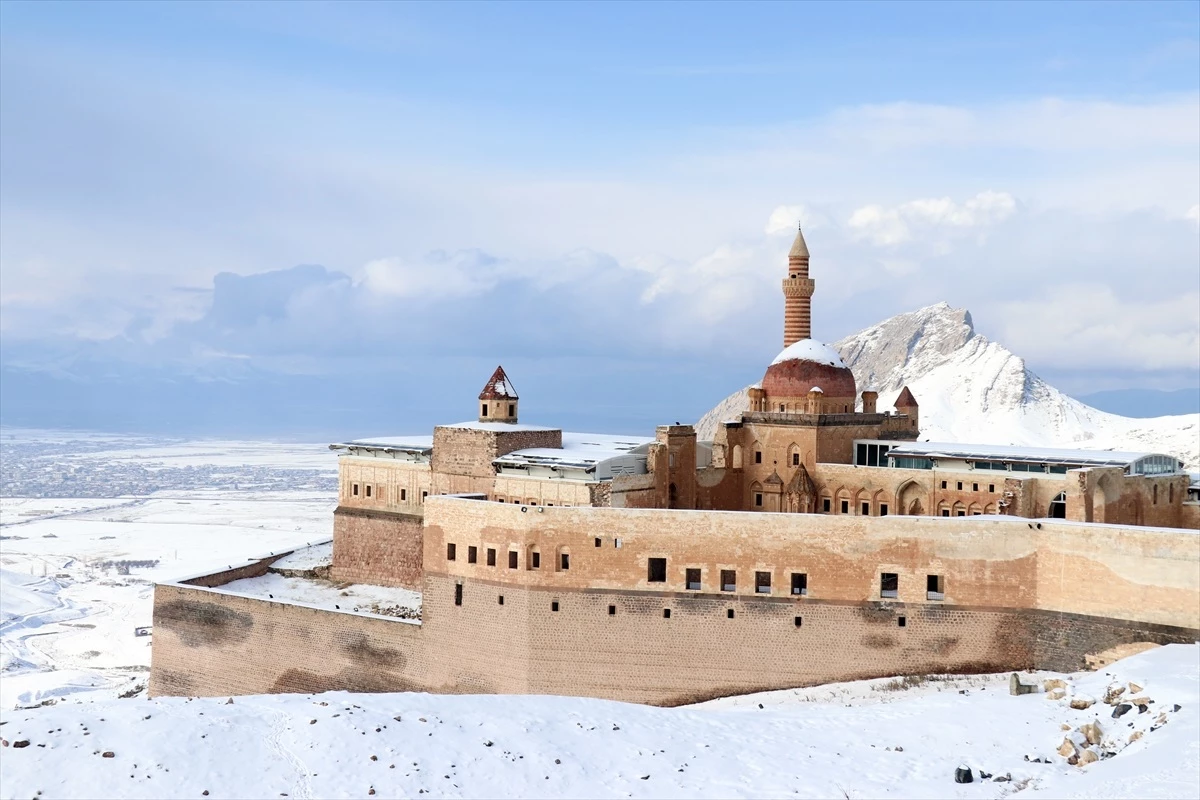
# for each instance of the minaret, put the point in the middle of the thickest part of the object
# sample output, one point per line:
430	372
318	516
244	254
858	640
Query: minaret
797	294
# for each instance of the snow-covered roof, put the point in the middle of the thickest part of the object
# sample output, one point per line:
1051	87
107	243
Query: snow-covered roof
497	426
579	451
810	350
996	452
498	387
401	444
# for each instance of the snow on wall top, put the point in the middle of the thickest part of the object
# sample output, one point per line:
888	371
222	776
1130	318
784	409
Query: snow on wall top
497	426
810	350
1002	452
411	443
580	450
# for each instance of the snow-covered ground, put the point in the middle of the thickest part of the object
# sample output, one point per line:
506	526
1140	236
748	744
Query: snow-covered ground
382	600
851	740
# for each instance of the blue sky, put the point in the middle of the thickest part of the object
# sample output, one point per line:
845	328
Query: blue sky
597	192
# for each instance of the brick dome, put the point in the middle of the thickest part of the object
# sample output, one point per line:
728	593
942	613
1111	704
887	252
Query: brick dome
806	365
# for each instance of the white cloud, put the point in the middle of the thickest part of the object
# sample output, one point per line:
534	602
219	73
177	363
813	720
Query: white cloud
891	226
1193	214
783	220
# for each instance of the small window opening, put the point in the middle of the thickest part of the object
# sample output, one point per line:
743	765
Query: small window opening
962	512
729	613
666	613
758	499
902	621
795	459
368	490
762	583
500	599
484	414
565	561
943	484
472	554
800	583
451	551
656	570
597	541
458	594
758	456
512	410
512	559
992	488
845	506
354	491
865	509
883	509
945	512
825	503
1154	492
403	495
612	611
889	584
974	487
423	496
616	542
959	486
535	560
799	621
693	580
728	580
554	606
491	557
935	587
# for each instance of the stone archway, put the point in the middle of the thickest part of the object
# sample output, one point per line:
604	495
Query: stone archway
908	498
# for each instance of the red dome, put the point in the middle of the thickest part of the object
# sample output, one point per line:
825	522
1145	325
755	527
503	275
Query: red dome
796	378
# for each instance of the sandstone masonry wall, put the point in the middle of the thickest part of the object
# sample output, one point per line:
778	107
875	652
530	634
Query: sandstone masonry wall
379	547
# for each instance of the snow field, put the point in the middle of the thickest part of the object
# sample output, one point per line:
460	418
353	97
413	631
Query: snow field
874	743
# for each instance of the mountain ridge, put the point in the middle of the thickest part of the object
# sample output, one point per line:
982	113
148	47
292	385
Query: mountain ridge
972	389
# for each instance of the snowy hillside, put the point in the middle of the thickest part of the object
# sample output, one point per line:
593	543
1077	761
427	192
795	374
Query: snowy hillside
974	390
865	739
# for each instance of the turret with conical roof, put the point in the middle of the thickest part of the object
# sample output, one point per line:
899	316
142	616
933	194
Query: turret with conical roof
498	400
797	294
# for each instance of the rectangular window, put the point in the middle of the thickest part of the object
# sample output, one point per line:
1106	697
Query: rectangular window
368	490
762	583
758	499
974	487
992	488
799	621
758	456
512	559
491	557
959	486
800	583
883	509
535	560
860	454
866	509
458	594
403	495
935	587
423	496
666	613
901	621
693	580
483	413
729	613
355	490
597	541
512	409
472	554
795	459
451	551
554	606
845	506
565	561
943	484
728	580
945	512
825	503
612	611
500	599
656	570
889	584
962	512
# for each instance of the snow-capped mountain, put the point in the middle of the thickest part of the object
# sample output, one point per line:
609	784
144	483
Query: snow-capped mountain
971	389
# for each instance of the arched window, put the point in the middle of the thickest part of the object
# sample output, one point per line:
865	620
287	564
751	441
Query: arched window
563	562
672	497
533	558
1058	506
756	495
1154	491
737	456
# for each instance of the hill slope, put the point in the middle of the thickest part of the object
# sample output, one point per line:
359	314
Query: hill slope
975	390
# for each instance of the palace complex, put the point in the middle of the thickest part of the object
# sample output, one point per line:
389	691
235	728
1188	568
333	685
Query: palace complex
813	539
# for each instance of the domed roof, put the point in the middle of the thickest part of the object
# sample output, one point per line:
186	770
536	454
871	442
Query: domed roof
806	365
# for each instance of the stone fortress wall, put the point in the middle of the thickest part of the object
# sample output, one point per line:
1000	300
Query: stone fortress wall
1013	595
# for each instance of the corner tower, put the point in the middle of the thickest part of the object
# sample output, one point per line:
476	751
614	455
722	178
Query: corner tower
797	294
498	400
